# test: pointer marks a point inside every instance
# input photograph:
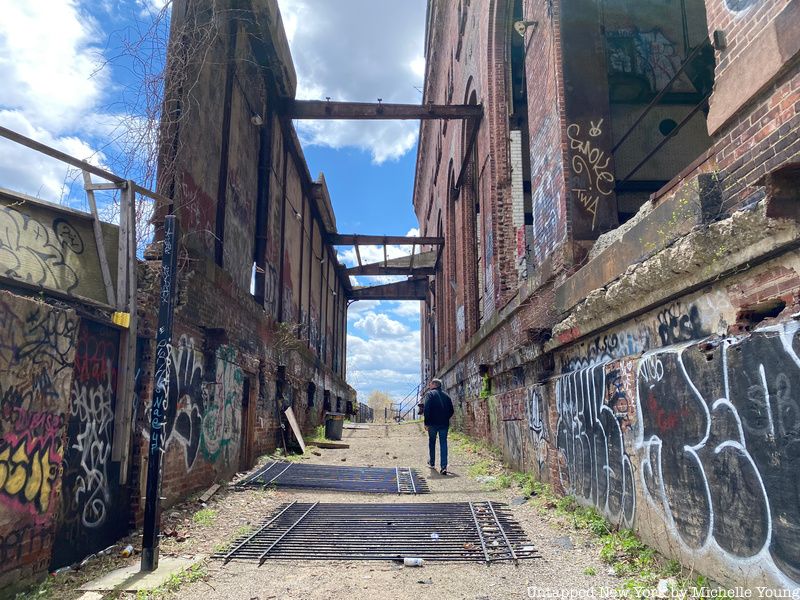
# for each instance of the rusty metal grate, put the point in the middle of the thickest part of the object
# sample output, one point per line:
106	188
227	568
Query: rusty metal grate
377	480
465	531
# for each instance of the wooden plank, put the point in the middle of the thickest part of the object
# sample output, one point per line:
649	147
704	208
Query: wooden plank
330	445
98	238
352	239
358	254
385	255
319	109
206	496
126	302
295	429
100	186
57	154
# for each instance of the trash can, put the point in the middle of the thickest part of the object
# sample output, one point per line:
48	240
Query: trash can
333	425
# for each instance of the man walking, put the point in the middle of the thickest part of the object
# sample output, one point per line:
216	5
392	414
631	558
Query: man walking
438	410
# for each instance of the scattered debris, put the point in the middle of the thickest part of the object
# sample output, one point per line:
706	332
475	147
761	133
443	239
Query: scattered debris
425	581
565	542
315	453
209	492
412	562
126	551
329	445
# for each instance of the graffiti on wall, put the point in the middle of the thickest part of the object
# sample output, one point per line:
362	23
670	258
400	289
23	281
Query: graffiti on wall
593	462
37	252
719	435
536	410
678	322
591	167
203	413
92	513
37	345
222	420
740	5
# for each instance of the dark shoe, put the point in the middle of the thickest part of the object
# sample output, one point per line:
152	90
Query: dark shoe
444	471
431	465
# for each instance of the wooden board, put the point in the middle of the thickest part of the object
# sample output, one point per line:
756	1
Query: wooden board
330	445
293	423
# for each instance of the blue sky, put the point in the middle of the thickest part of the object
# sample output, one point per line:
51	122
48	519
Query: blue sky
69	82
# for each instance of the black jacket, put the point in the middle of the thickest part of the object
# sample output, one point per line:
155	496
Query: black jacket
438	408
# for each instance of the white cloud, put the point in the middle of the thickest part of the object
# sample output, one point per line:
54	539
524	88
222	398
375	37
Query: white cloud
406	308
32	172
50	69
390	364
358	50
49	61
380	325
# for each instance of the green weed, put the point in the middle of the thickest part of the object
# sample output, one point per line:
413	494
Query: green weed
196	572
204	516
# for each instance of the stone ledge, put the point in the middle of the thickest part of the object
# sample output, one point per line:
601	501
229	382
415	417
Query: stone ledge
708	253
696	202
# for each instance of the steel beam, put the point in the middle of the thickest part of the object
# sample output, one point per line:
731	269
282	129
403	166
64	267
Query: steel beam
413	289
319	109
352	239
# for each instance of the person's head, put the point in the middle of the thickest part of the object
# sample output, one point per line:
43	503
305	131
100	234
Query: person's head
436	384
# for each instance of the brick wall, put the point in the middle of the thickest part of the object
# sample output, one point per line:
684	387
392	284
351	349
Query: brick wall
755	108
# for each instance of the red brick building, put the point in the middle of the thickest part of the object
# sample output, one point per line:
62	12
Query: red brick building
620	268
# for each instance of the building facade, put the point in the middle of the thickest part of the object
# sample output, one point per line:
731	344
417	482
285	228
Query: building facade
615	307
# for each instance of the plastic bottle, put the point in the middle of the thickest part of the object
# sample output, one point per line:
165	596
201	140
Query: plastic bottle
412	562
127	551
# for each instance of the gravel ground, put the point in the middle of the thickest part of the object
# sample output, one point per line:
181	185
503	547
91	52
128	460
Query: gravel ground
566	555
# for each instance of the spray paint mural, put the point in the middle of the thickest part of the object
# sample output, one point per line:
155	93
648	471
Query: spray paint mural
719	439
222	420
203	414
37	346
593	462
91	492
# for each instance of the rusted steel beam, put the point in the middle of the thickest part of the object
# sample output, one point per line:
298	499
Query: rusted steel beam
341	239
413	289
319	109
379	269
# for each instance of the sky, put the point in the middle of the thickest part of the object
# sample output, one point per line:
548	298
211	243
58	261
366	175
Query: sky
78	85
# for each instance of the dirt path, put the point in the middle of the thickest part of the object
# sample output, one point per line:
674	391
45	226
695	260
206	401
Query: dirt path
566	556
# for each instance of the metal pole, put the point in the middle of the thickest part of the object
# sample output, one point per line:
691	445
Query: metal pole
152	508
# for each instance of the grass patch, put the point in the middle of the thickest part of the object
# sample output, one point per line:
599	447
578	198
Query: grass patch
196	572
318	435
479	469
204	516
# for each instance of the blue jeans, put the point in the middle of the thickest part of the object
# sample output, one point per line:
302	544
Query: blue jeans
442	433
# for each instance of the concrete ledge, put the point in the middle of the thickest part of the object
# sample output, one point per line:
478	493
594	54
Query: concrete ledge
696	202
748	237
